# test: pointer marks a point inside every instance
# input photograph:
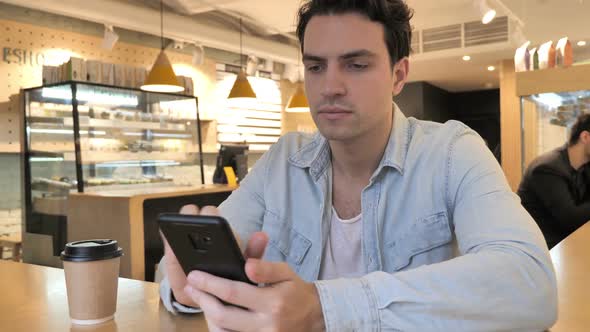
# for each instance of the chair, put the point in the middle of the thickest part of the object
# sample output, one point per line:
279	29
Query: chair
13	241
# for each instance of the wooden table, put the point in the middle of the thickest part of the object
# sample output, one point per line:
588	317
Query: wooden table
571	258
33	299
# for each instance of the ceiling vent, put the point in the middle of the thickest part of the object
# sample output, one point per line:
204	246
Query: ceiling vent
454	36
441	38
477	33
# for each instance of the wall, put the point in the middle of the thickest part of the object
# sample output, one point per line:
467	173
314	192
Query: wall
510	125
480	110
424	101
411	100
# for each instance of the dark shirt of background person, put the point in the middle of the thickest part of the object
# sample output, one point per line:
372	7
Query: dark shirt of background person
555	188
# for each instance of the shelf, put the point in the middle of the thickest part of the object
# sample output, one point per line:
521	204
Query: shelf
86	122
116	132
124	124
105	157
554	80
46	154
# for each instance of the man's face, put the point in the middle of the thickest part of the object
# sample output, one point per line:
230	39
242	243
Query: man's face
349	81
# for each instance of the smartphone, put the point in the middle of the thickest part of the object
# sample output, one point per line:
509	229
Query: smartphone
204	243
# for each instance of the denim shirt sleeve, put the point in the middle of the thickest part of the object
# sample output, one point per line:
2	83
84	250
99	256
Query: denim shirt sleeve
244	208
166	292
503	279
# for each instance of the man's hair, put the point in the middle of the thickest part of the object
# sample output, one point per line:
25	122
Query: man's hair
393	15
581	125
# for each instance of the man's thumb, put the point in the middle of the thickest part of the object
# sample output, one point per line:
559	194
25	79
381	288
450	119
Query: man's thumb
256	245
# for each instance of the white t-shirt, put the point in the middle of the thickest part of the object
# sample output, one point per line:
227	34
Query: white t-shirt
343	255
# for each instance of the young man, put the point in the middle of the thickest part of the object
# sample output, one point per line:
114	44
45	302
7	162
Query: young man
377	222
555	189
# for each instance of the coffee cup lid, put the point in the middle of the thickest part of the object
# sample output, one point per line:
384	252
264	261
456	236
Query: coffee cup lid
91	250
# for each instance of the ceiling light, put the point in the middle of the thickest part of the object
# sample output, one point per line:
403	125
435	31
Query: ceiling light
162	77
298	102
198	55
487	13
491	68
488	16
582	43
466	58
110	38
251	65
241	88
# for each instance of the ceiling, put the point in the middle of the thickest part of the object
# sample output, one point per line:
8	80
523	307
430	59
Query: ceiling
274	20
543	20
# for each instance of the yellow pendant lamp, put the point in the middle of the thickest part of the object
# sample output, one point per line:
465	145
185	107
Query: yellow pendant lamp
162	77
241	88
298	102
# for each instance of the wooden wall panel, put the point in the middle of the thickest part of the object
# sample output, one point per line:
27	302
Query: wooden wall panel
510	124
531	132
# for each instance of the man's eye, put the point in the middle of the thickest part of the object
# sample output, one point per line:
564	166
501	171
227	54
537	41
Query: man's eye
314	68
356	66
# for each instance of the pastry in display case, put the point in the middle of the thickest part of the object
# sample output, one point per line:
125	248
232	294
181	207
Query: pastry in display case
86	137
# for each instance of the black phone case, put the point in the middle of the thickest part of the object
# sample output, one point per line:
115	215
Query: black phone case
204	243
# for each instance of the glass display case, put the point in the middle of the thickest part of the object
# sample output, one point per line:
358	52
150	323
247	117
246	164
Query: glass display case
86	137
550	102
547	119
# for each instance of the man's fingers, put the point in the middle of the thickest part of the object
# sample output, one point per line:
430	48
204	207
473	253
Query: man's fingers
223	317
170	257
260	271
197	295
256	245
234	292
209	211
189	209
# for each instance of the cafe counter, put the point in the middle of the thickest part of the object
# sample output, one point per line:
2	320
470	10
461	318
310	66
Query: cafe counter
130	217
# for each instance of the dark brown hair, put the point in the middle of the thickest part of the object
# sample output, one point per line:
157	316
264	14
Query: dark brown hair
581	125
394	15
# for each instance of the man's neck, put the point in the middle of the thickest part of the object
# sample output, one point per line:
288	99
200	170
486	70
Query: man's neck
359	158
577	156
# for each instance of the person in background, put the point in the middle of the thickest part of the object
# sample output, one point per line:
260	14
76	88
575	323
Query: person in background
378	222
555	188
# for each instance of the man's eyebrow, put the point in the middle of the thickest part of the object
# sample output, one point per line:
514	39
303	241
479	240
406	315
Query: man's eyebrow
310	57
345	56
356	54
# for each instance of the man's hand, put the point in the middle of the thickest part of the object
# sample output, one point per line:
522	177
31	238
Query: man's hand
174	271
287	303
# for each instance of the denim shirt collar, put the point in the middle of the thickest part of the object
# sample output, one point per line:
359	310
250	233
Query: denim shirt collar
316	154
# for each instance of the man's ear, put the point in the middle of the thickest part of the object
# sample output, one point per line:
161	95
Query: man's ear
401	70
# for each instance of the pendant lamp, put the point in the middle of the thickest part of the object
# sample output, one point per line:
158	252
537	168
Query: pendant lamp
298	102
162	77
241	88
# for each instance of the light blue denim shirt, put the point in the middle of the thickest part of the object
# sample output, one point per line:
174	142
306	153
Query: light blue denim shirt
446	242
